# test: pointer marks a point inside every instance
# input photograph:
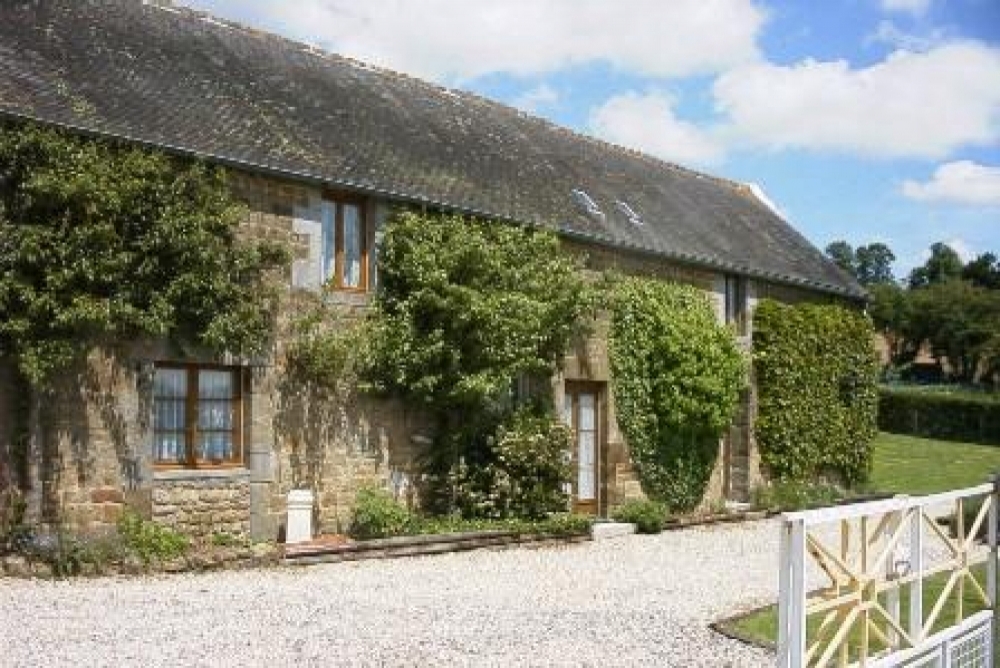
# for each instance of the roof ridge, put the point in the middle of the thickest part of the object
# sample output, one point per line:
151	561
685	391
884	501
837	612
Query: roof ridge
320	52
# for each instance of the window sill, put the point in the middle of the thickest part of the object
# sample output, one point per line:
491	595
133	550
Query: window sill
228	473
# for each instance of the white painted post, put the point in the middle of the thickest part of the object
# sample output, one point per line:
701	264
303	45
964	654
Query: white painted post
991	565
784	594
797	594
298	528
892	596
917	570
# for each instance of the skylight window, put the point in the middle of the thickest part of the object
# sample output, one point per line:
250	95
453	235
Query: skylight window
629	212
587	203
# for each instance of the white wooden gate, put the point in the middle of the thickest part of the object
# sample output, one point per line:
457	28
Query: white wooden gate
890	583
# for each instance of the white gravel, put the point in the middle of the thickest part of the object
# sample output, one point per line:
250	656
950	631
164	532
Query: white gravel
626	602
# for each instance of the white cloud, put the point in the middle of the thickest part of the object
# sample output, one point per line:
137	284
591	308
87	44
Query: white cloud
540	96
910	105
461	39
960	182
646	122
889	33
915	7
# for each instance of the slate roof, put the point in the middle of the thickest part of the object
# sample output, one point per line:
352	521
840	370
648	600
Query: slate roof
179	79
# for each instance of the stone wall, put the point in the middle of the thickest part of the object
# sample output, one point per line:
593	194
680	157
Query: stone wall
91	443
200	506
8	422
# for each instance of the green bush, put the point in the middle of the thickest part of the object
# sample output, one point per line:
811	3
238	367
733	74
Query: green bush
816	372
676	376
530	454
556	524
378	515
647	516
517	471
795	495
562	524
149	540
15	532
968	417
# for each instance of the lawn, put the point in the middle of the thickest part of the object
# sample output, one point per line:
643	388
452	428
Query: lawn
761	626
904	465
912	465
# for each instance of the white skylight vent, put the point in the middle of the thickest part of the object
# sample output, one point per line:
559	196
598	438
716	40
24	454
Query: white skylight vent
587	203
629	212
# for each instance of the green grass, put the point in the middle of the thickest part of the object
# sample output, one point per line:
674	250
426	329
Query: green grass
761	626
904	465
912	465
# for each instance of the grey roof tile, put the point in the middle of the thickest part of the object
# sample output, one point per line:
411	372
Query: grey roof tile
179	79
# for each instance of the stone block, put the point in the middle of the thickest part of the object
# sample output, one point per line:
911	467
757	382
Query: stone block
609	530
106	495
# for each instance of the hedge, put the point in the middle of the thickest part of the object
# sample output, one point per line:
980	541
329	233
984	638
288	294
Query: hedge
816	373
937	415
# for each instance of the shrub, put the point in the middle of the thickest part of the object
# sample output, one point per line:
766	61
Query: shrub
150	541
974	418
816	373
647	516
795	495
516	472
531	454
14	531
676	377
563	524
378	515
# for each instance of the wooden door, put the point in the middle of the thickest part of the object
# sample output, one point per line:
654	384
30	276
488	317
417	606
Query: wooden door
581	411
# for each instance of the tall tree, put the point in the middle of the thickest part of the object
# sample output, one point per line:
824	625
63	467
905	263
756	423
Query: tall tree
983	271
842	253
943	264
874	264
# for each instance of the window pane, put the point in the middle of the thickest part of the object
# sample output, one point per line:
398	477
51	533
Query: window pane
329	222
587	421
352	245
168	414
215	385
215	415
215	446
170	447
585	480
170	383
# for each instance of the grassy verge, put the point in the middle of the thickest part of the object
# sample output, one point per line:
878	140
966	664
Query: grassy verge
761	626
911	465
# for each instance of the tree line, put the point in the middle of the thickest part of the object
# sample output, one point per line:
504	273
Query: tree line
948	307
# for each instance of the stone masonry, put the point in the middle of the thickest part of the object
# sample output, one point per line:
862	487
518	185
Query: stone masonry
90	442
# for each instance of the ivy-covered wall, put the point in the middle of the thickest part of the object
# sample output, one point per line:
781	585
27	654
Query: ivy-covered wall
816	371
677	374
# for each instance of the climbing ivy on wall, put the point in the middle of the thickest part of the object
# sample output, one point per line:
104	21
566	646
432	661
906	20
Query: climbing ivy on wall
676	377
102	242
817	373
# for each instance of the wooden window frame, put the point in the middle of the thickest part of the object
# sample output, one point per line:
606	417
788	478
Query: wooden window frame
336	281
191	430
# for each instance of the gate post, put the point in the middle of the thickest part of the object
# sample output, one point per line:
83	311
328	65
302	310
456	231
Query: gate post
791	601
991	565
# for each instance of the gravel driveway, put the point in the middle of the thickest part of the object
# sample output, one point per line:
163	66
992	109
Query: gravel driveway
625	602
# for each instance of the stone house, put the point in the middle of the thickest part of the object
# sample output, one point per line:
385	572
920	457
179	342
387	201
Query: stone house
320	149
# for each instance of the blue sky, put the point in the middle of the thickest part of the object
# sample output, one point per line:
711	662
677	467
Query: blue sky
863	120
